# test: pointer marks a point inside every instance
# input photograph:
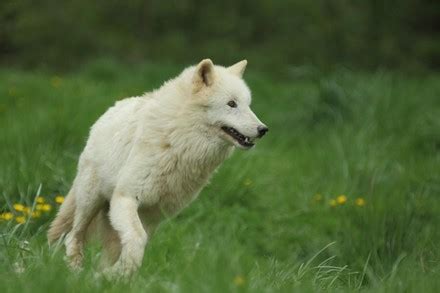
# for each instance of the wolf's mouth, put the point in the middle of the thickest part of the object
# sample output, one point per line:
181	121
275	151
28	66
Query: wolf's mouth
240	138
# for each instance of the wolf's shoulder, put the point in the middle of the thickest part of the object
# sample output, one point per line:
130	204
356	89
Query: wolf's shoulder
128	102
127	106
123	112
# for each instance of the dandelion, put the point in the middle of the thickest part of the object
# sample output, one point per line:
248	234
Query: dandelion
59	199
35	214
46	207
56	81
6	216
333	203
20	219
342	199
360	202
239	280
40	199
26	210
317	198
18	207
247	182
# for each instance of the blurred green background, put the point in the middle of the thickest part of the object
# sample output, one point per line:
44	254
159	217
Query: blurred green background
401	34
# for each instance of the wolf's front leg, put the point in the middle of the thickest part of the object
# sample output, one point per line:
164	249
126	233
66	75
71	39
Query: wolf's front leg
125	220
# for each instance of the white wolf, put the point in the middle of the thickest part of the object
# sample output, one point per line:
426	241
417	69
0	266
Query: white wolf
148	157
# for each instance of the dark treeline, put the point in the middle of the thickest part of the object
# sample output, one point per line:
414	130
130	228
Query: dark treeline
366	34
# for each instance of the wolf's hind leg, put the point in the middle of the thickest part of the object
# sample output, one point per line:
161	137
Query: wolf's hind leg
111	243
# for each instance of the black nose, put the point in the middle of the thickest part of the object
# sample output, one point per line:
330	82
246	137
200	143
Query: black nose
262	130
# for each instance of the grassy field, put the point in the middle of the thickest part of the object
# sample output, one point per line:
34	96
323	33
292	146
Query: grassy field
341	195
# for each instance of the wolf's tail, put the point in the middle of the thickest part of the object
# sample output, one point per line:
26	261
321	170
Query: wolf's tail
63	222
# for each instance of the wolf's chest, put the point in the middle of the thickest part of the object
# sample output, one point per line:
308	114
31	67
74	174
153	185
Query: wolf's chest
182	185
177	179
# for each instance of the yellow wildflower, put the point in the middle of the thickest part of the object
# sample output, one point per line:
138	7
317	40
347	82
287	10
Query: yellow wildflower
20	219
46	207
26	210
40	199
35	214
317	197
360	202
333	203
341	199
239	280
18	207
56	81
6	216
59	199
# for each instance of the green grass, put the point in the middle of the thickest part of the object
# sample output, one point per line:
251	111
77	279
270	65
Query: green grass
257	226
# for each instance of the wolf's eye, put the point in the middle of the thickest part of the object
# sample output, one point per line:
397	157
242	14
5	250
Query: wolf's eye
232	104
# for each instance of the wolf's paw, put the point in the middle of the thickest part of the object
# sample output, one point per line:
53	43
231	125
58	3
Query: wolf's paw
108	274
120	271
74	252
74	262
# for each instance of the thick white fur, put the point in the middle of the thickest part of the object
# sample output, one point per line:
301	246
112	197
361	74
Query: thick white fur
148	157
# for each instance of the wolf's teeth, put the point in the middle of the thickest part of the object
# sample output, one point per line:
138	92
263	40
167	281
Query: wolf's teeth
242	139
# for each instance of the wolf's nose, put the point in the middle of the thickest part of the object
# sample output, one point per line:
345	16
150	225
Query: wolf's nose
262	130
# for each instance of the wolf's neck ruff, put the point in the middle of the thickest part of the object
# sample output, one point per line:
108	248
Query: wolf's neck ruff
193	144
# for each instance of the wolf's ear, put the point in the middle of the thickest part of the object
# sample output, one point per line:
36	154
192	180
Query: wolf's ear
238	68
204	75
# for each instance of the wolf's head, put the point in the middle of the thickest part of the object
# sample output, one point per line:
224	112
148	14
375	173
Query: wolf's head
226	99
